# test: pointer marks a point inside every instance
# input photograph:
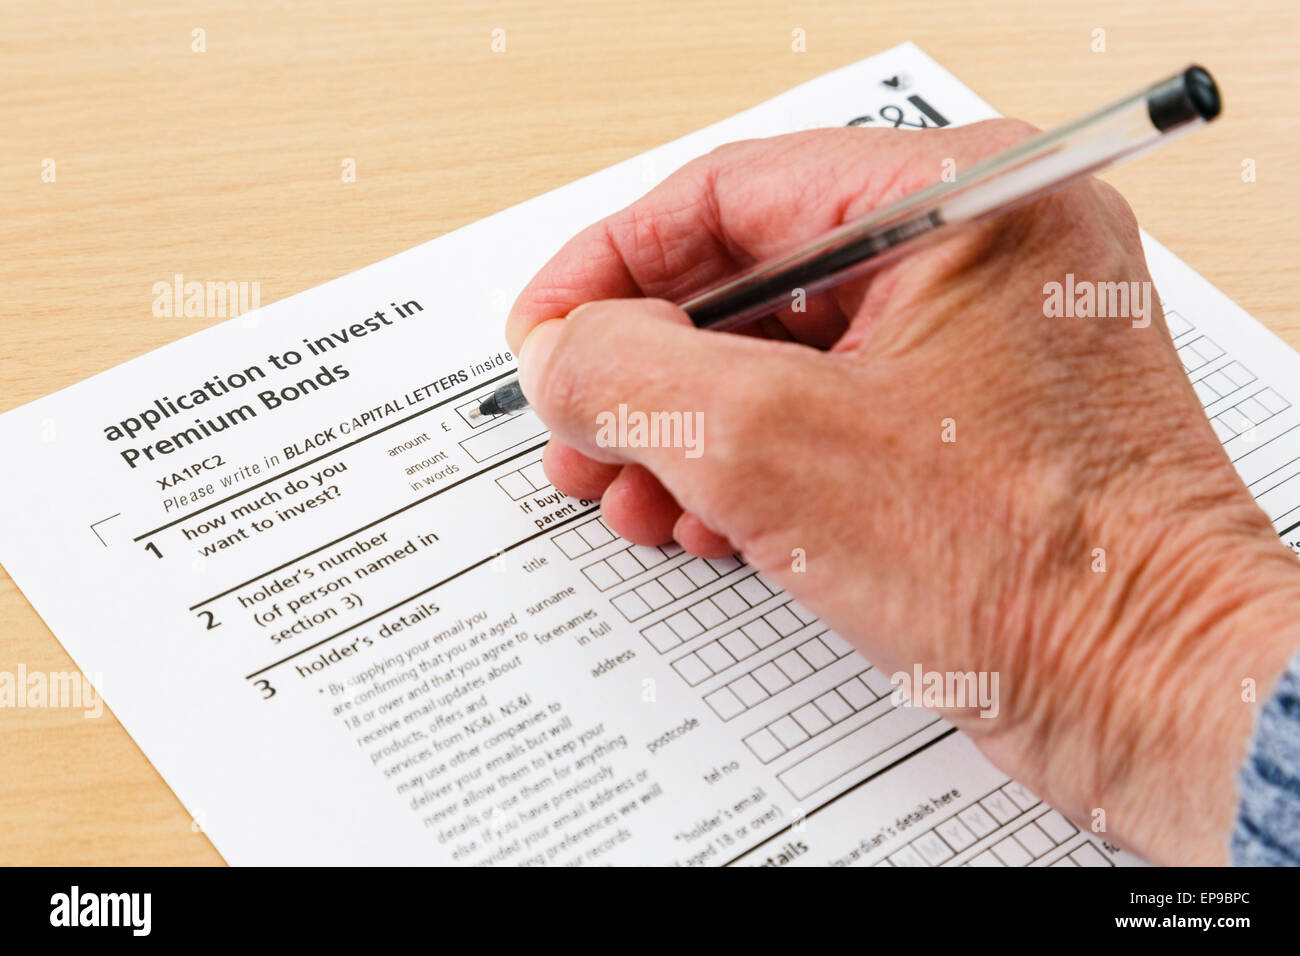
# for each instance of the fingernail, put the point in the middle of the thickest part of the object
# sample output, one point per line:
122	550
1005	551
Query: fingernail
535	354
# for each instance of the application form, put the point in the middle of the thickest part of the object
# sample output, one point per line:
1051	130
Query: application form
349	624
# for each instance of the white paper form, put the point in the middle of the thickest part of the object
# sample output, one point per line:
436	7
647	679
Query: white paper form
347	625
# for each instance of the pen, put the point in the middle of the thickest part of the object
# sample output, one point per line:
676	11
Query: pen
1038	166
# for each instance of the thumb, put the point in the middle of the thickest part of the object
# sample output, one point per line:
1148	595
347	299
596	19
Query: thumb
632	381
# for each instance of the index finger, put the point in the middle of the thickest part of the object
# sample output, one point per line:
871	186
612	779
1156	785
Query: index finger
735	206
744	203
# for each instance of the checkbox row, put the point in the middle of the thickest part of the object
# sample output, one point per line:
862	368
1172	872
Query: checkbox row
586	537
820	714
757	686
624	565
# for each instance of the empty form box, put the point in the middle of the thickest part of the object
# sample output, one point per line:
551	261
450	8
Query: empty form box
748	639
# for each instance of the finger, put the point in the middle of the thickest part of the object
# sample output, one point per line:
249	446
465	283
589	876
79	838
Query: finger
575	474
634	505
746	202
699	539
632	381
637	507
679	238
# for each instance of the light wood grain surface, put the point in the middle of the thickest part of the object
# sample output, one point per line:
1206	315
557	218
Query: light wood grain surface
225	165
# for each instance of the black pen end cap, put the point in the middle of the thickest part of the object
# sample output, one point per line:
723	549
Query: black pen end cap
1190	95
1202	91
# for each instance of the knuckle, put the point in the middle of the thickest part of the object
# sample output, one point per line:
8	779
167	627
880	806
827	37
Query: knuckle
661	310
978	141
725	154
555	393
1122	213
562	385
1006	132
745	418
584	317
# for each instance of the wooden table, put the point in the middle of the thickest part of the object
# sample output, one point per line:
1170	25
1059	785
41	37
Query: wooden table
225	165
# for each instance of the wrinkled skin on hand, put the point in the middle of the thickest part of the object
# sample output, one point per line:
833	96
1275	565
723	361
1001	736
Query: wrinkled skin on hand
971	484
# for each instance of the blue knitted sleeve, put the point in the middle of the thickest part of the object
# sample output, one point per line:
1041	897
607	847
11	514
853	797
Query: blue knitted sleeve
1267	832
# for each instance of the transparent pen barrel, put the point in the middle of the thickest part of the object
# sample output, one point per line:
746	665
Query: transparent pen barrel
1040	164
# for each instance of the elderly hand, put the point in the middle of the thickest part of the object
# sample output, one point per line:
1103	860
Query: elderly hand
945	473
